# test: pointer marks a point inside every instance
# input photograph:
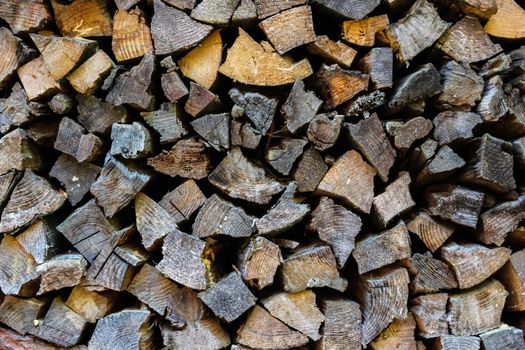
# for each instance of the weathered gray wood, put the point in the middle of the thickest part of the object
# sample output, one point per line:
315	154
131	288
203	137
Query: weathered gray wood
283	156
215	12
300	107
97	115
323	130
453	127
167	122
61	271
430	313
310	170
215	129
131	141
153	222
444	163
429	275
342	324
498	221
18	275
394	201
432	231
18	152
352	9
260	109
406	133
19	313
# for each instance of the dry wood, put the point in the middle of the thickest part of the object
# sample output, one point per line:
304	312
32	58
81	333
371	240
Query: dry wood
422	154
455	126
378	63
19	314
398	335
214	129
243	134
493	104
363	32
342	324
173	86
183	201
15	53
511	275
201	100
429	275
462	87
15	109
88	77
245	13
483	9
406	133
25	16
41	240
504	337
18	152
394	201
323	130
310	170
449	342
283	156
432	231
15	341
153	222
259	261
501	219
300	107
215	11
83	18
73	140
91	305
266	8
499	64
131	35
97	115
37	80
61	271
260	109
444	163
337	85
430	314
353	9
19	276
333	51
507	21
131	141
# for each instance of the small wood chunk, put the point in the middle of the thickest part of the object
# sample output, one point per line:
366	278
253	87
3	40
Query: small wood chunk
430	314
87	229
37	80
15	53
88	77
378	63
483	9
518	148
182	4
259	261
244	134
126	329
97	115
394	201
323	130
383	298
450	342
17	275
72	139
504	337
131	36
454	203
215	129
229	298
266	8
433	232
501	219
25	16
474	263
511	275
202	63
183	260
83	18
173	86
174	31
455	126
61	325
239	178
311	267
43	133
153	221
8	182
350	179
32	198
41	240
220	217
342	324
462	87
131	141
422	154
201	101
466	42
493	104
490	165
245	13
18	152
419	29
19	313
356	9
91	305
283	156
499	64
377	250
134	86
117	185
188	158
61	271
15	109
298	310
300	107
183	201
12	340
429	275
400	334
476	310
337	85
125	4
333	51
441	166
252	63
406	133
215	12
363	32
363	104
369	137
260	109
310	170
507	22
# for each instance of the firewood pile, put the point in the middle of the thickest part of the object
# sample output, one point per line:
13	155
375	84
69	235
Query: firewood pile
262	174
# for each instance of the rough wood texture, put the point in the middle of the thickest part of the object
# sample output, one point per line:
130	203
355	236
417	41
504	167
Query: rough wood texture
131	141
201	100
499	220
323	130
378	63
283	156
19	277
446	342
504	337
73	140
363	32
215	11
333	51
454	127
399	334
260	109
342	324
183	201
266	8
352	9
430	314
15	109
507	21
18	152
173	86
153	222
310	170
167	122
432	231
462	87
84	18
493	104
19	314
444	163
300	107
88	77
37	80
337	85
25	17
131	35
15	53
512	277
98	116
259	262
214	129
61	271
394	201
91	305
41	240
429	275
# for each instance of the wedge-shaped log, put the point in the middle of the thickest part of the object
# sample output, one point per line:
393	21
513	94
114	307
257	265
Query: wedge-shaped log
153	222
429	275
131	35
342	324
259	262
430	313
432	231
84	18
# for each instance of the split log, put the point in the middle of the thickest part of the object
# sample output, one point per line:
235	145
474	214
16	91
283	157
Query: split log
117	184
422	154
363	32
406	133
245	13
18	277
8	182
41	240
418	30
511	275
215	11
429	275
323	130
19	314
333	51
15	54
88	77
215	129
37	80
369	137
188	158
239	178
289	29
173	86
14	341
450	342
430	314
131	141
183	201
379	64
507	22
73	140
499	64
337	85
43	133
131	35
383	298
432	231
153	222
283	156
483	9
266	8
453	127
337	227
363	104
167	122
15	109
243	134
259	109
300	107
400	334
462	87
91	305
18	152
125	4
97	115
350	179
25	17
61	271
476	310
311	267
504	337
84	18
182	4
259	261
252	63
394	201
310	170
352	9
444	163
493	104
201	101
377	250
342	324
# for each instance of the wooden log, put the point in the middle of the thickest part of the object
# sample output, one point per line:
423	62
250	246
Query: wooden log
429	275
131	141
342	324
323	130
32	198
126	329
8	182
41	240
476	310
363	32
229	298
61	271
378	63
214	129
84	18
332	51
131	35
244	135
215	12
43	133
14	341
88	77
15	54
19	313
245	13
499	64
418	30
369	137
449	342
462	87
432	231
383	298
220	217
511	275
174	31
125	4
394	201
289	29
350	179
300	107
182	4
117	184
259	261
454	126
252	63
445	163
283	156
483	9
454	203
430	314
184	260
153	222
134	86
173	86
266	8
377	250
352	9
201	101
98	116
37	80
422	154
493	104
72	139
507	22
18	277
91	305
310	170
259	109
504	337
239	178
15	109
473	263
18	152
183	201
202	63
25	17
406	133
337	85
399	334
311	267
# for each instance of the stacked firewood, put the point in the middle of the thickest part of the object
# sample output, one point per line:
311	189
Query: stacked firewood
262	174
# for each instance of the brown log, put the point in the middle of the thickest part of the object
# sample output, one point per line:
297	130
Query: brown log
84	18
131	36
41	240
98	116
19	276
432	231
430	313
499	220
493	104
88	77
363	32
15	54
444	163
429	275
25	17
504	337
462	87
61	271
214	129
406	133
398	335
266	8
332	51
18	152
394	201
259	261
453	127
310	170
483	9
449	342
173	86
15	109
323	130
201	101
19	314
283	156
37	80
183	201
300	107
14	341
511	275
507	21
91	305
153	222
351	9
73	140
378	63
342	324
243	134
422	154
337	85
